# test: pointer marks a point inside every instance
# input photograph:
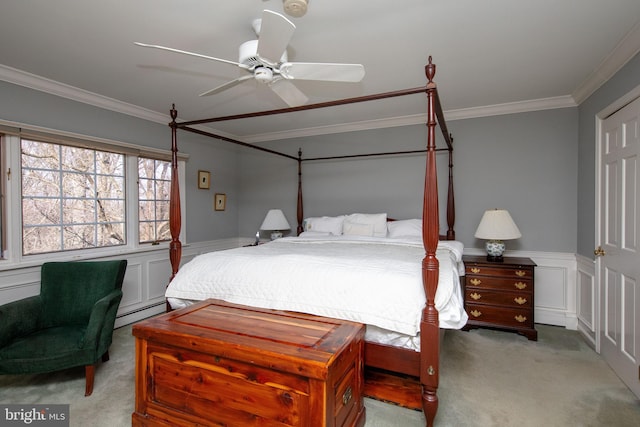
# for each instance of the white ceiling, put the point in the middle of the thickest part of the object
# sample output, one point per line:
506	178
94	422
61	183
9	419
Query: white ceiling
525	53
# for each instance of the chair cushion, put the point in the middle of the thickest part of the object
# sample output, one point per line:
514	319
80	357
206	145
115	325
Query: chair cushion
46	350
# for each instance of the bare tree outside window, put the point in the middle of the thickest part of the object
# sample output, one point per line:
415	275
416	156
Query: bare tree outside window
72	198
154	190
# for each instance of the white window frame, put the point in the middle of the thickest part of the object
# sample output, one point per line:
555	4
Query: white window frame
13	257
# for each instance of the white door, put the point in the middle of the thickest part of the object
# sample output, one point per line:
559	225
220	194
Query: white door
619	260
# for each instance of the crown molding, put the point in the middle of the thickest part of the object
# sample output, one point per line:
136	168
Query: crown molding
624	51
419	119
42	84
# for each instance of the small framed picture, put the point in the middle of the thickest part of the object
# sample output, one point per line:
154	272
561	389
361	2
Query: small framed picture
219	201
204	180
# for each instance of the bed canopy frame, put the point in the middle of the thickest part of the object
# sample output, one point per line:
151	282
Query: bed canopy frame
425	364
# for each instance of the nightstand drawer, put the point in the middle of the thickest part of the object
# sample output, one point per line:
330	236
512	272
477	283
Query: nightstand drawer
516	272
507	284
506	299
503	316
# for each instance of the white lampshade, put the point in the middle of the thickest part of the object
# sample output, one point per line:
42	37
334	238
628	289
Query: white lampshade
276	222
497	224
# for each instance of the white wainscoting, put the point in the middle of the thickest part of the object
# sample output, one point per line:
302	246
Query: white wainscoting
564	292
555	286
144	283
588	297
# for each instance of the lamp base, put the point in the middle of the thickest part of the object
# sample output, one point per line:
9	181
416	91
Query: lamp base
276	235
495	249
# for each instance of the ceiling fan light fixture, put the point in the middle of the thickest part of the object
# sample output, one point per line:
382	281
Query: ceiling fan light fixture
295	8
263	74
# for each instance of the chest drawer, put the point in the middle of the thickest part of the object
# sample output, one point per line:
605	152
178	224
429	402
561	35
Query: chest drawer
485	296
502	316
499	282
515	272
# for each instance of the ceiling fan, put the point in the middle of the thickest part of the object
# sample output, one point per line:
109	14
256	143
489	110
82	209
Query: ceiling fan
265	60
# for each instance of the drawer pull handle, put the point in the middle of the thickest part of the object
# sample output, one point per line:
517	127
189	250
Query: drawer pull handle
476	296
346	397
521	273
475	282
520	318
520	300
476	313
475	270
520	285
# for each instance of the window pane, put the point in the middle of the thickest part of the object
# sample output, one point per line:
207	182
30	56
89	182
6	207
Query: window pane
76	189
78	185
41	239
40	211
79	236
40	183
154	185
38	155
109	163
111	234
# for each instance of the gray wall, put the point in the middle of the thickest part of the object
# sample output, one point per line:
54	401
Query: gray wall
525	163
27	106
539	165
623	82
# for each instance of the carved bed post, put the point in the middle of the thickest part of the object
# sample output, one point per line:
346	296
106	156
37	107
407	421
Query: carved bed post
175	220
300	210
429	327
451	205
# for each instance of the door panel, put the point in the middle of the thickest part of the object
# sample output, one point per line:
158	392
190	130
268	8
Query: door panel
619	265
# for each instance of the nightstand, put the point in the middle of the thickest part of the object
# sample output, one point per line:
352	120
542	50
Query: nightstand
500	294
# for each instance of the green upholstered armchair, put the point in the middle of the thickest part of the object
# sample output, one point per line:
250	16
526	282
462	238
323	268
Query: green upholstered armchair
69	324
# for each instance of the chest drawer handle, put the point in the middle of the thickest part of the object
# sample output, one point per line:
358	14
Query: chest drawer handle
476	296
475	270
476	313
521	273
520	285
520	318
520	300
475	282
346	397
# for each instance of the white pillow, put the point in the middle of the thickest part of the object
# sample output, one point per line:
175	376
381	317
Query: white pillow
312	234
356	229
377	221
325	224
405	228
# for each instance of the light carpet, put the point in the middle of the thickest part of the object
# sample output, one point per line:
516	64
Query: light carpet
487	378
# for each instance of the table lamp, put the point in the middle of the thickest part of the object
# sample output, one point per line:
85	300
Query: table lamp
496	226
275	222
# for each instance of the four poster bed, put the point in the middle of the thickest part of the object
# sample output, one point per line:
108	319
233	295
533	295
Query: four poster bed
383	358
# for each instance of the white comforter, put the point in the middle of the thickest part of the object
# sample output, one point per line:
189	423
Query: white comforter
376	281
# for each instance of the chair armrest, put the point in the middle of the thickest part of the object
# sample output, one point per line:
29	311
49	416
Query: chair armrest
19	318
102	309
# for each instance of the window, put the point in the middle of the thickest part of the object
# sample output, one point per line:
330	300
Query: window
72	198
154	189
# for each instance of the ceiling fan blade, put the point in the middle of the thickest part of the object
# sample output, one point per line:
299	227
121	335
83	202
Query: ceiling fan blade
275	33
170	49
288	92
322	71
226	86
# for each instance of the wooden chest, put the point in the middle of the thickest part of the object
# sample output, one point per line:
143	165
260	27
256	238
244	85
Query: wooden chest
500	294
216	363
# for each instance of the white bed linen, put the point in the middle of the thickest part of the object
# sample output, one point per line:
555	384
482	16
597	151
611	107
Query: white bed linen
376	281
